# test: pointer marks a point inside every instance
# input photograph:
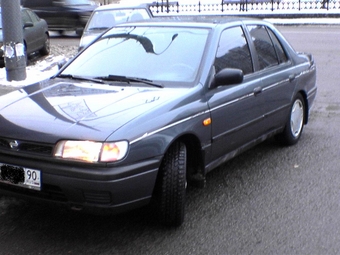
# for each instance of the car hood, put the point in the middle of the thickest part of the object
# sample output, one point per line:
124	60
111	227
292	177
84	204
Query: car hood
76	110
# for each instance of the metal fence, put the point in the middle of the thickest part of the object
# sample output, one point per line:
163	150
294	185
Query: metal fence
245	6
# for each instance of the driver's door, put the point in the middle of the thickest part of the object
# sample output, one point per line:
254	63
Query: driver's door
236	112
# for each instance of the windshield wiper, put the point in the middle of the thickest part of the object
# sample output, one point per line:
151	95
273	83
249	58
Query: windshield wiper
76	77
127	79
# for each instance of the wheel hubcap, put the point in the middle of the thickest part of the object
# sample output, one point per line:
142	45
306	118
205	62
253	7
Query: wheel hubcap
296	118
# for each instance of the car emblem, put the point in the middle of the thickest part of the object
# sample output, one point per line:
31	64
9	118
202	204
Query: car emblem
14	144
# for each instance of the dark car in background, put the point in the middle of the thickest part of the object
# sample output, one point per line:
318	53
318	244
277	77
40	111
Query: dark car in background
149	108
62	15
35	34
107	16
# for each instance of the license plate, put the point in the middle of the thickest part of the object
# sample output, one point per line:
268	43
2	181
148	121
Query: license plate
20	176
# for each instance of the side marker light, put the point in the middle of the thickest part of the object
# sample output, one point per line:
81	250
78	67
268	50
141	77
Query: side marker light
207	122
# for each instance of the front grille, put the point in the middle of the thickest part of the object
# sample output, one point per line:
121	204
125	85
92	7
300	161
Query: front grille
4	143
36	148
26	147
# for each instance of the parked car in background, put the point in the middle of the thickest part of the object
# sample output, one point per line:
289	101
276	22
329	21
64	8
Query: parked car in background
35	34
107	16
149	108
62	15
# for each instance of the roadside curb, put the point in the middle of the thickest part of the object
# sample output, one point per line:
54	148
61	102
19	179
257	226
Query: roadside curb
303	21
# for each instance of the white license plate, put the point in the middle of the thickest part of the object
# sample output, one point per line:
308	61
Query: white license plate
32	178
20	176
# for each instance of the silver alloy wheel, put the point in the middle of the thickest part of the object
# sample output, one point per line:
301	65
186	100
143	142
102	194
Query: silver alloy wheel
296	118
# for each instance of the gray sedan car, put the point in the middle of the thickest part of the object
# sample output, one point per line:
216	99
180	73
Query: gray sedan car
35	33
149	108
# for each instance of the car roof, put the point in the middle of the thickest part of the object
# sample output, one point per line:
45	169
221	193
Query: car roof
122	6
196	21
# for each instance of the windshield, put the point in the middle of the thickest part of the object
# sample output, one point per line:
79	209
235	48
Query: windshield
105	19
161	54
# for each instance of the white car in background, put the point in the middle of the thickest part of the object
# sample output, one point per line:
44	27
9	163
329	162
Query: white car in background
107	16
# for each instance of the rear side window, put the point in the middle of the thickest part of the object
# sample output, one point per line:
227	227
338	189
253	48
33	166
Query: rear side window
33	16
233	51
25	17
269	50
281	54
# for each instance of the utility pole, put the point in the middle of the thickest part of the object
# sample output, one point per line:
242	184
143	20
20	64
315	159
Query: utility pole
14	49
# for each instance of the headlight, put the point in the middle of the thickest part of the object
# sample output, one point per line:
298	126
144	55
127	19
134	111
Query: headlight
91	151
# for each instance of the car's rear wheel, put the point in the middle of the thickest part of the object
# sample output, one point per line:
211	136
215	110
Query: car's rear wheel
171	186
45	50
294	126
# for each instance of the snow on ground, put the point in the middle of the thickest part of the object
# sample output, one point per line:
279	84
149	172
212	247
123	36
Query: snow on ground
38	71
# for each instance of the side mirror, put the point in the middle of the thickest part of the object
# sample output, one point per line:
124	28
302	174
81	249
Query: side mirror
28	24
79	31
227	76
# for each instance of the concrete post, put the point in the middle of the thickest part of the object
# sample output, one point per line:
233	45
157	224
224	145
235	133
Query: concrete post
14	49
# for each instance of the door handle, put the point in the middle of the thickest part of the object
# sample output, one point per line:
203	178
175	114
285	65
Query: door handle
291	77
257	91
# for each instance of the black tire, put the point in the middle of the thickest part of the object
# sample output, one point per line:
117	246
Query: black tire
26	55
45	50
171	186
295	123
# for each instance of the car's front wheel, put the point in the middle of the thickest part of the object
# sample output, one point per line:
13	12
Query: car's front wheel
171	186
294	126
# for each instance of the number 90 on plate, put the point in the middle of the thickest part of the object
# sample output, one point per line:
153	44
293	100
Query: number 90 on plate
32	178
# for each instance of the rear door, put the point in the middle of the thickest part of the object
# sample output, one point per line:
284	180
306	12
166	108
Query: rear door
277	72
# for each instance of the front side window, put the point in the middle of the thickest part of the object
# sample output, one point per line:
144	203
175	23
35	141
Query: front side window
163	54
233	51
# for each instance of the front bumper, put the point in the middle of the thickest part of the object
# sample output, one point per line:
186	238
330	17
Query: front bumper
115	189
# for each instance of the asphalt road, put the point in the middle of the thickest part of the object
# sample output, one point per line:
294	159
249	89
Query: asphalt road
269	200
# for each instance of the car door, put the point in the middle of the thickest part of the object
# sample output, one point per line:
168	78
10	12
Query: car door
277	75
235	110
32	35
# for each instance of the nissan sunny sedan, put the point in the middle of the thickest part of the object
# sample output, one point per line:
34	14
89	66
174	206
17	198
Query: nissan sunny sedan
35	34
150	108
